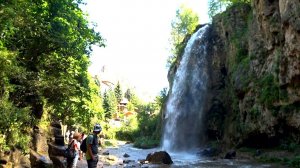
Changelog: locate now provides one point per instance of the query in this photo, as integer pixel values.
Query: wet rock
(230, 155)
(126, 155)
(105, 153)
(258, 152)
(159, 157)
(127, 161)
(209, 152)
(143, 161)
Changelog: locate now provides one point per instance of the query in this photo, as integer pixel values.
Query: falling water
(184, 107)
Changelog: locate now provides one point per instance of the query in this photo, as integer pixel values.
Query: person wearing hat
(92, 147)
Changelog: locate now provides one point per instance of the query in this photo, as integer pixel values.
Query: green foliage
(146, 142)
(44, 56)
(118, 92)
(217, 6)
(109, 103)
(294, 162)
(144, 129)
(14, 125)
(184, 23)
(162, 98)
(128, 94)
(254, 112)
(129, 129)
(269, 90)
(14, 121)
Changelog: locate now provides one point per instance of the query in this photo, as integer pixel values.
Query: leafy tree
(184, 23)
(118, 92)
(217, 6)
(109, 104)
(47, 45)
(128, 94)
(14, 121)
(161, 99)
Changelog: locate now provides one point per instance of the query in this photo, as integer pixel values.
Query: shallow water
(181, 160)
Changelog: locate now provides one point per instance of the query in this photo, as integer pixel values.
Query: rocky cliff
(254, 89)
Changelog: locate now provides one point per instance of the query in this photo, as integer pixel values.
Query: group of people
(92, 143)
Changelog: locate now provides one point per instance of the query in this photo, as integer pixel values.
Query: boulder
(159, 157)
(55, 131)
(40, 140)
(40, 161)
(59, 161)
(126, 155)
(209, 152)
(105, 153)
(230, 155)
(56, 150)
(59, 140)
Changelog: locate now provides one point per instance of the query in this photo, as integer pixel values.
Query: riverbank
(125, 155)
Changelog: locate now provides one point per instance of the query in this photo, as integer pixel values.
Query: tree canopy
(183, 24)
(44, 57)
(217, 6)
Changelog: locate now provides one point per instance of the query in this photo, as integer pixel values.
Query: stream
(181, 160)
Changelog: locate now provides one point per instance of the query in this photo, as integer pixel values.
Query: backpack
(83, 145)
(70, 152)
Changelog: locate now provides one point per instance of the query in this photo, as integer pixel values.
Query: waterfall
(186, 100)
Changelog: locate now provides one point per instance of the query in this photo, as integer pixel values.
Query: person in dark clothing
(92, 147)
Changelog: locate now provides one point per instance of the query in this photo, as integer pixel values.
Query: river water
(181, 160)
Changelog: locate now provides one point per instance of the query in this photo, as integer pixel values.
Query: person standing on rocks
(92, 147)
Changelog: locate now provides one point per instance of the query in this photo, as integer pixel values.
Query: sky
(137, 34)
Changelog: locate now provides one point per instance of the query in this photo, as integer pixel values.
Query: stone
(230, 155)
(59, 140)
(59, 161)
(40, 161)
(209, 152)
(161, 157)
(40, 140)
(56, 131)
(126, 155)
(56, 150)
(105, 153)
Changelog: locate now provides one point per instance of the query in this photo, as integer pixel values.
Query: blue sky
(137, 34)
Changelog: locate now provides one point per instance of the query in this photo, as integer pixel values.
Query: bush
(294, 162)
(146, 142)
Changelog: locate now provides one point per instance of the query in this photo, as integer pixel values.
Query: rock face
(40, 161)
(256, 74)
(254, 94)
(57, 146)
